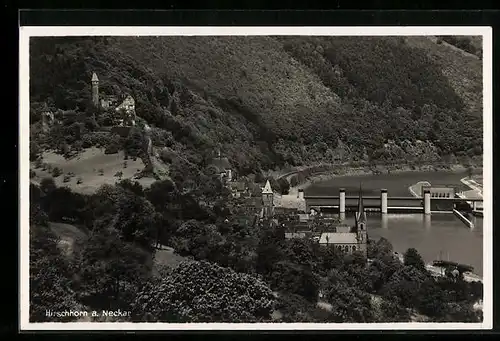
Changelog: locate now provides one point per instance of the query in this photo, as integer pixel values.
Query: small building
(126, 111)
(239, 189)
(344, 241)
(440, 191)
(347, 238)
(223, 167)
(295, 235)
(108, 101)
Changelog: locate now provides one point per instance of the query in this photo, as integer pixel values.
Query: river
(440, 235)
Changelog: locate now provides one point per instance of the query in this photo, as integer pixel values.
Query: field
(87, 166)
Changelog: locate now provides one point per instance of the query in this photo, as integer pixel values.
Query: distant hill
(272, 101)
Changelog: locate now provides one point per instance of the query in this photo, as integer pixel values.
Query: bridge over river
(394, 204)
(431, 234)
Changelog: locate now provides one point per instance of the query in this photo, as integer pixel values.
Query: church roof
(338, 238)
(267, 188)
(221, 163)
(238, 186)
(94, 77)
(289, 235)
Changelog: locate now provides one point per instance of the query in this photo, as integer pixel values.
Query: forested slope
(268, 101)
(265, 102)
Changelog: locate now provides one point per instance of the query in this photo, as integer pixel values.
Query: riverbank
(291, 200)
(354, 171)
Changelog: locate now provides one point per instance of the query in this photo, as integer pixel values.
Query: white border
(26, 32)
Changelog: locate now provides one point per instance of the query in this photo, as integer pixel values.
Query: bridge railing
(326, 197)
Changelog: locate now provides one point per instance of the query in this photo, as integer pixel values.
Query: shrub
(101, 171)
(113, 145)
(79, 181)
(56, 172)
(284, 186)
(134, 143)
(67, 178)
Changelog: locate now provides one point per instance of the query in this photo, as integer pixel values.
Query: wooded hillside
(271, 101)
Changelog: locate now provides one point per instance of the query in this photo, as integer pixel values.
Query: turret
(95, 89)
(267, 200)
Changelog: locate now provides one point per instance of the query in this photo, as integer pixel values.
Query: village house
(327, 231)
(224, 168)
(124, 111)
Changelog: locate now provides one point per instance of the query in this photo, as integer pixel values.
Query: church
(349, 238)
(327, 232)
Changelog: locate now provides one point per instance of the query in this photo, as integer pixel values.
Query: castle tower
(95, 89)
(267, 200)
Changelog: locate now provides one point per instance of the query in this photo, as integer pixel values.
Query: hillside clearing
(87, 166)
(166, 257)
(68, 234)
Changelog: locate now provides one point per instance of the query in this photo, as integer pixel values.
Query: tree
(35, 150)
(161, 194)
(430, 300)
(56, 172)
(113, 145)
(110, 270)
(405, 284)
(393, 311)
(203, 292)
(61, 203)
(51, 286)
(283, 186)
(330, 258)
(135, 219)
(413, 258)
(203, 241)
(134, 143)
(132, 186)
(349, 304)
(379, 248)
(299, 251)
(296, 279)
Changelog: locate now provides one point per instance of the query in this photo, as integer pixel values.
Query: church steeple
(95, 89)
(360, 214)
(267, 200)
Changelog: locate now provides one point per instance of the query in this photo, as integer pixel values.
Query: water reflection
(342, 217)
(427, 221)
(385, 221)
(434, 235)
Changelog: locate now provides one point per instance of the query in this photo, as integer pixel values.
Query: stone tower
(95, 89)
(267, 200)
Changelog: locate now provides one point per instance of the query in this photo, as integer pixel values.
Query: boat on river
(449, 264)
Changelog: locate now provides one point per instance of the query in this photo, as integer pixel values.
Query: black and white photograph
(256, 178)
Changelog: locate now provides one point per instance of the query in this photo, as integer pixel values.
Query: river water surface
(439, 236)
